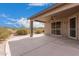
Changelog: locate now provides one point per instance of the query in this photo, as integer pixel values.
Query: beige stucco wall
(77, 15)
(47, 28)
(78, 25)
(64, 25)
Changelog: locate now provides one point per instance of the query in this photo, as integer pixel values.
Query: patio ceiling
(66, 13)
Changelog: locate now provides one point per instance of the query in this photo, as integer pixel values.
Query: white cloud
(9, 23)
(21, 22)
(12, 19)
(26, 23)
(28, 6)
(3, 15)
(38, 24)
(8, 18)
(37, 4)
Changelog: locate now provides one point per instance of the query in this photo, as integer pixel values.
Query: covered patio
(42, 45)
(57, 20)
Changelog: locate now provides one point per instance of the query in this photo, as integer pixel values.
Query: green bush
(21, 32)
(4, 34)
(38, 31)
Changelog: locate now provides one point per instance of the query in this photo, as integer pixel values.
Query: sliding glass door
(72, 27)
(56, 28)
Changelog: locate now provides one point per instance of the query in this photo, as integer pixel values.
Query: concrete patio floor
(42, 45)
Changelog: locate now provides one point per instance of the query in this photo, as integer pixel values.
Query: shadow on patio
(44, 46)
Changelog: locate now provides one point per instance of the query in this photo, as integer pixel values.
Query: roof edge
(45, 11)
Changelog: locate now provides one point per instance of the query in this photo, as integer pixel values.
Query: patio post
(31, 28)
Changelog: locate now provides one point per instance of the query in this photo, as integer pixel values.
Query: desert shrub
(21, 32)
(4, 34)
(38, 31)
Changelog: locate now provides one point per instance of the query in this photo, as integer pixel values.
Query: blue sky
(16, 14)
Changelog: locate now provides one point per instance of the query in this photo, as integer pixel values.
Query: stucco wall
(77, 15)
(78, 25)
(64, 25)
(48, 28)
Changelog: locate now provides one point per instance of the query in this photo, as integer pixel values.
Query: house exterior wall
(64, 25)
(47, 28)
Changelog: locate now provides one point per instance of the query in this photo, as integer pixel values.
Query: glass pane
(53, 25)
(53, 31)
(72, 33)
(72, 23)
(73, 27)
(58, 32)
(58, 24)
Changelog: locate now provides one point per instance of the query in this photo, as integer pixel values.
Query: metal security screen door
(73, 27)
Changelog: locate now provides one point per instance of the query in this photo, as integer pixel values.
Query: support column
(31, 28)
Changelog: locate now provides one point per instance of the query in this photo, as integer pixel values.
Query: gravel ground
(2, 48)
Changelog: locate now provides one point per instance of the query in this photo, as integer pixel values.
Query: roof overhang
(53, 10)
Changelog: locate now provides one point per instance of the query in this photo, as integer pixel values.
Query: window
(56, 28)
